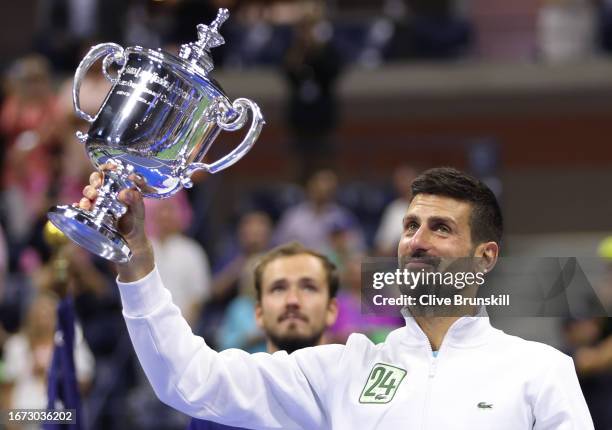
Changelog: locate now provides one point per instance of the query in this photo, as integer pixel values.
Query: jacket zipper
(433, 365)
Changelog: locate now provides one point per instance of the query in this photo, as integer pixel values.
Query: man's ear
(259, 314)
(332, 312)
(486, 256)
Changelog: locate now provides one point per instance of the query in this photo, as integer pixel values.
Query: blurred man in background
(29, 123)
(232, 302)
(390, 228)
(295, 291)
(312, 68)
(589, 342)
(311, 221)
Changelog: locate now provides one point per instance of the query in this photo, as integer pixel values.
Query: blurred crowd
(207, 263)
(365, 32)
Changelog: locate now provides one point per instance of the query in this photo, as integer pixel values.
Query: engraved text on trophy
(136, 82)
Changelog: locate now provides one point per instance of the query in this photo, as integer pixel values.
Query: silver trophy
(158, 121)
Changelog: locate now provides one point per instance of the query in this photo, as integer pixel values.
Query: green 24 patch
(382, 384)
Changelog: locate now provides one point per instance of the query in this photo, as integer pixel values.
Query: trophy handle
(112, 53)
(240, 107)
(234, 122)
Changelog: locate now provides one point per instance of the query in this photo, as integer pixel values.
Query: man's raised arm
(231, 387)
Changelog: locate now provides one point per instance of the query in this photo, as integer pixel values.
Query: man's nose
(420, 241)
(292, 298)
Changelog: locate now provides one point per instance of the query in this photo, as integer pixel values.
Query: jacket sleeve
(560, 404)
(231, 387)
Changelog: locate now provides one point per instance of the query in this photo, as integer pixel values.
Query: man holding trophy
(442, 372)
(436, 372)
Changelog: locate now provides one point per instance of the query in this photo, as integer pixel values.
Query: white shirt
(30, 391)
(482, 378)
(183, 265)
(391, 225)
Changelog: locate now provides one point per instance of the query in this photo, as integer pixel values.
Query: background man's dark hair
(486, 221)
(290, 250)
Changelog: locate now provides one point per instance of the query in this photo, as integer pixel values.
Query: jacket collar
(465, 332)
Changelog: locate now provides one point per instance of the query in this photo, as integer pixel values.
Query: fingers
(132, 223)
(95, 179)
(108, 166)
(85, 204)
(133, 200)
(140, 183)
(90, 192)
(137, 179)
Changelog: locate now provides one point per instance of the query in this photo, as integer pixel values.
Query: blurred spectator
(3, 264)
(431, 30)
(181, 261)
(28, 356)
(590, 343)
(149, 23)
(350, 318)
(253, 237)
(30, 103)
(239, 328)
(566, 30)
(340, 244)
(28, 120)
(70, 271)
(311, 221)
(3, 333)
(63, 25)
(606, 25)
(366, 199)
(391, 224)
(312, 67)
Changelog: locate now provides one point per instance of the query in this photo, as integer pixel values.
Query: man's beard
(434, 289)
(421, 257)
(293, 342)
(433, 285)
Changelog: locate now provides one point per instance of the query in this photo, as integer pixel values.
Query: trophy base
(86, 231)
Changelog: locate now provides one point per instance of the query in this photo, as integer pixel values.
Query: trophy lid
(198, 53)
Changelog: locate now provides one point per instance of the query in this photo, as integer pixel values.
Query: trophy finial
(208, 37)
(222, 16)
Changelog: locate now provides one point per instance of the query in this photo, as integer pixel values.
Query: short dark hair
(486, 222)
(289, 250)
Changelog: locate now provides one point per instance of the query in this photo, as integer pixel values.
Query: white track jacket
(481, 378)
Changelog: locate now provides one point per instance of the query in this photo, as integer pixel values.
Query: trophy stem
(108, 208)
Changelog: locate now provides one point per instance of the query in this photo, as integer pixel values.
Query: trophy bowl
(158, 121)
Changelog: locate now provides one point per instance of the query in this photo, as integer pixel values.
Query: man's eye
(442, 228)
(310, 287)
(411, 226)
(277, 289)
